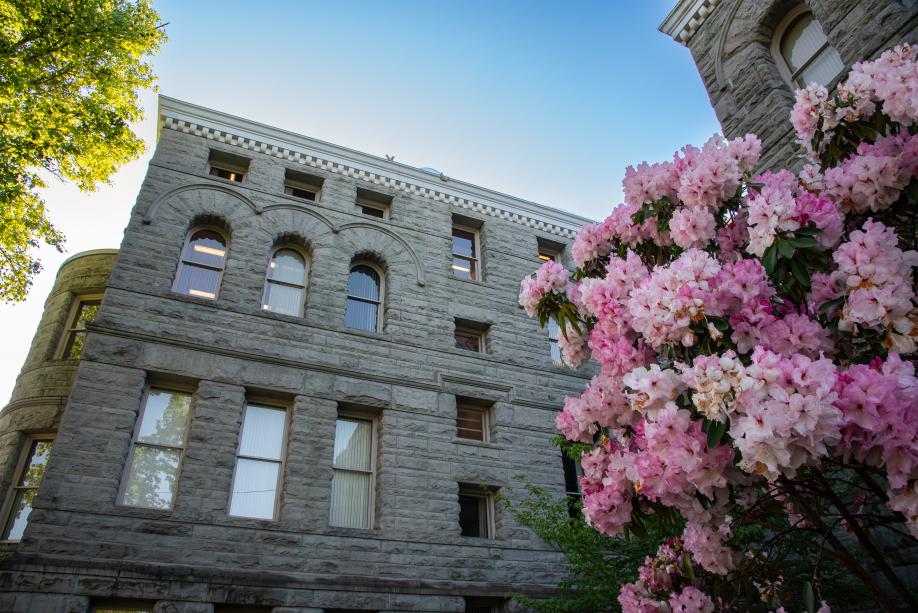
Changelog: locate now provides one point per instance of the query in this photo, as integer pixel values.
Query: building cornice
(215, 125)
(686, 17)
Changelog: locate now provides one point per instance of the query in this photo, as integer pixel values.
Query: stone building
(753, 54)
(299, 386)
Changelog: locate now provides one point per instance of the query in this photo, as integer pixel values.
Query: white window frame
(487, 495)
(308, 265)
(380, 320)
(7, 509)
(126, 473)
(485, 421)
(468, 331)
(371, 498)
(365, 203)
(786, 22)
(182, 262)
(70, 331)
(475, 262)
(275, 516)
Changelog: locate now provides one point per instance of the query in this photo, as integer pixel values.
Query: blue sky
(548, 101)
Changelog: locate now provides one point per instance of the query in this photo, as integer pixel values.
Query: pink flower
(692, 227)
(707, 547)
(652, 389)
(649, 183)
(691, 600)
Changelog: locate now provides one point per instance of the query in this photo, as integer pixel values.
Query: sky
(547, 101)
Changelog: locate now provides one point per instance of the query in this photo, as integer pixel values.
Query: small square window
(549, 250)
(476, 511)
(373, 204)
(470, 340)
(302, 185)
(85, 313)
(472, 422)
(227, 166)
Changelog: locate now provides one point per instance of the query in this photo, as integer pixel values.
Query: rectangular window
(470, 340)
(302, 185)
(157, 451)
(549, 250)
(354, 464)
(85, 313)
(227, 166)
(554, 349)
(572, 472)
(373, 203)
(465, 253)
(472, 422)
(121, 606)
(476, 511)
(259, 462)
(29, 475)
(482, 605)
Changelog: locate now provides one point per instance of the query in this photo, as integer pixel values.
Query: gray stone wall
(733, 52)
(81, 544)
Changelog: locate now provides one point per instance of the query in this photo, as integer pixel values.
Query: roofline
(249, 129)
(84, 254)
(685, 19)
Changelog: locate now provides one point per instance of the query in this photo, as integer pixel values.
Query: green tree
(70, 72)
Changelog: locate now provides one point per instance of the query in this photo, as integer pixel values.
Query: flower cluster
(786, 417)
(661, 586)
(876, 277)
(746, 329)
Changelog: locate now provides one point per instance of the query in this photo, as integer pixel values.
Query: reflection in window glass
(85, 314)
(156, 457)
(352, 479)
(465, 258)
(363, 299)
(26, 489)
(285, 283)
(258, 463)
(553, 331)
(203, 259)
(807, 52)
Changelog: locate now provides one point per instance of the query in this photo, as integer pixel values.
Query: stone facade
(732, 44)
(83, 548)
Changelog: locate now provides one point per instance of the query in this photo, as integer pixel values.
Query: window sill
(375, 335)
(224, 181)
(195, 299)
(478, 282)
(475, 443)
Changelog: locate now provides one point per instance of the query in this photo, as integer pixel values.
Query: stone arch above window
(803, 52)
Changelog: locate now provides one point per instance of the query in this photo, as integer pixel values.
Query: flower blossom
(715, 381)
(551, 277)
(707, 547)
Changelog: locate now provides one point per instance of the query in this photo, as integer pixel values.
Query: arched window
(364, 299)
(201, 267)
(285, 283)
(804, 52)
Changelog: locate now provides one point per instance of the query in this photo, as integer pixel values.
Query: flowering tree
(754, 337)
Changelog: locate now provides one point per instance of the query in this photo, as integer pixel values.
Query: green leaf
(808, 598)
(687, 568)
(831, 304)
(785, 248)
(769, 259)
(716, 431)
(803, 242)
(800, 274)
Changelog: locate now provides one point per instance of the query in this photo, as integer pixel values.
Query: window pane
(571, 483)
(165, 418)
(555, 351)
(288, 266)
(464, 269)
(823, 69)
(470, 515)
(801, 41)
(254, 488)
(196, 281)
(37, 463)
(19, 514)
(151, 481)
(363, 282)
(350, 499)
(361, 315)
(353, 443)
(368, 210)
(283, 299)
(463, 243)
(468, 340)
(263, 432)
(553, 329)
(206, 247)
(470, 423)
